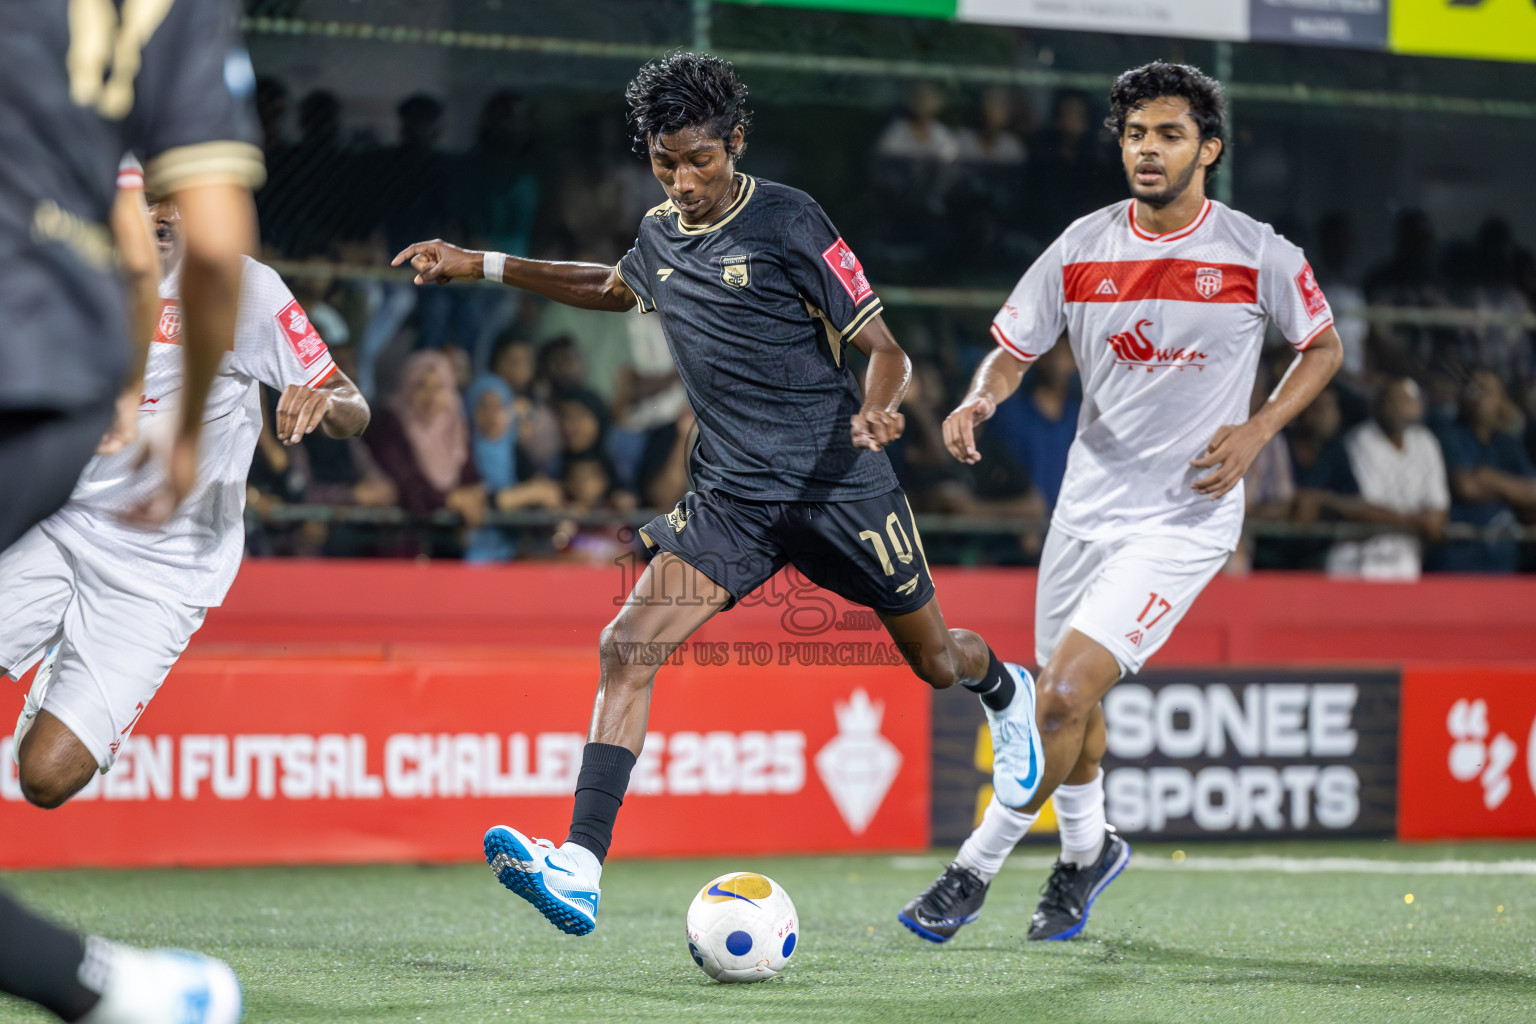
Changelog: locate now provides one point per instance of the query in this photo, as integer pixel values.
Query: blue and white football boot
(560, 881)
(1018, 757)
(159, 986)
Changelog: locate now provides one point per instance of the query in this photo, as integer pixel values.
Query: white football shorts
(116, 646)
(1125, 594)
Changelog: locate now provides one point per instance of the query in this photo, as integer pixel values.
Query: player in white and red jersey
(1164, 299)
(109, 607)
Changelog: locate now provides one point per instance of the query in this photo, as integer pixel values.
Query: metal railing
(929, 525)
(873, 67)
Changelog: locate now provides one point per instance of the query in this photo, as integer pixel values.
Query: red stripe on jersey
(323, 375)
(1178, 280)
(130, 178)
(1013, 350)
(1309, 339)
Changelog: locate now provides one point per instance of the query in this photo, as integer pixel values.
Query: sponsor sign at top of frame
(1476, 29)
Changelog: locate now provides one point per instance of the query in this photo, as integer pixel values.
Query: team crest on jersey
(301, 334)
(1133, 348)
(1311, 294)
(1207, 281)
(168, 330)
(678, 517)
(736, 271)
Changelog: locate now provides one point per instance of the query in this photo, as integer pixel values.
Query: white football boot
(34, 702)
(161, 986)
(560, 881)
(1018, 756)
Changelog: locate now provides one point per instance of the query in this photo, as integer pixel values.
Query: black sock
(996, 688)
(600, 790)
(41, 962)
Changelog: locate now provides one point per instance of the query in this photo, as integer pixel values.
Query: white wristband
(495, 262)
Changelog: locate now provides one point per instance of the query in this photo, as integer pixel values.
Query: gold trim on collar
(748, 186)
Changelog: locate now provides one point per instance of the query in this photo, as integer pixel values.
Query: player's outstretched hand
(125, 424)
(299, 412)
(960, 428)
(1233, 450)
(877, 428)
(441, 261)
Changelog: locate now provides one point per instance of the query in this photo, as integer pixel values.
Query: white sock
(985, 849)
(1080, 817)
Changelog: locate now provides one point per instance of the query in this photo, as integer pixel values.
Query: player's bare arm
(995, 379)
(218, 228)
(336, 406)
(139, 263)
(879, 421)
(1234, 447)
(584, 285)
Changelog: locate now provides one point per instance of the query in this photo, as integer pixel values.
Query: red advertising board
(1468, 752)
(272, 760)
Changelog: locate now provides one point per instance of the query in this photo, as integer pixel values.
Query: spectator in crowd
(1335, 249)
(420, 439)
(1486, 281)
(1396, 461)
(1269, 486)
(1493, 483)
(493, 442)
(311, 197)
(1325, 484)
(1408, 278)
(988, 197)
(917, 133)
(538, 429)
(1066, 163)
(993, 140)
(930, 476)
(1036, 426)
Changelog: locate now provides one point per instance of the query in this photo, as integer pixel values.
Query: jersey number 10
(105, 52)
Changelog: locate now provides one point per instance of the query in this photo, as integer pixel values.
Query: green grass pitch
(446, 944)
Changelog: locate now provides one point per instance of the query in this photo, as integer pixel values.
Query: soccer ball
(742, 927)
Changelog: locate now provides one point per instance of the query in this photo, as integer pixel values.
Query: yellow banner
(1479, 29)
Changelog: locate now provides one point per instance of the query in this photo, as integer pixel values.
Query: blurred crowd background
(507, 427)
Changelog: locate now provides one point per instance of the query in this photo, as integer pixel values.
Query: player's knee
(48, 784)
(938, 669)
(1064, 702)
(624, 658)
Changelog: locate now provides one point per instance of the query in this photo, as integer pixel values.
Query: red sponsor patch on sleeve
(1311, 294)
(301, 334)
(846, 267)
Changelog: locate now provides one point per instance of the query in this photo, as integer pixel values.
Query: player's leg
(562, 881)
(954, 899)
(37, 584)
(673, 598)
(1140, 592)
(99, 982)
(116, 649)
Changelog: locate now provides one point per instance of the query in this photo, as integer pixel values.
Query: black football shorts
(867, 551)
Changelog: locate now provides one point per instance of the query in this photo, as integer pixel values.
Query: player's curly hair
(687, 90)
(1207, 105)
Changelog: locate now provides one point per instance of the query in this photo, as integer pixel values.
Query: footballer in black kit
(760, 299)
(759, 309)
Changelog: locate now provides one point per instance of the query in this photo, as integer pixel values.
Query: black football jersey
(81, 83)
(758, 309)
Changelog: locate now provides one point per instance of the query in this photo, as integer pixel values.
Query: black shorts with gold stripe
(866, 551)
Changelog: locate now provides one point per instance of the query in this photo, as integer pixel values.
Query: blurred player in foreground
(1164, 299)
(113, 605)
(77, 90)
(759, 298)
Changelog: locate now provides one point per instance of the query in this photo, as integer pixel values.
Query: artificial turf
(446, 944)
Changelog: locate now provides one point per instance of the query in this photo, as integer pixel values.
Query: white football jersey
(194, 557)
(1166, 330)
